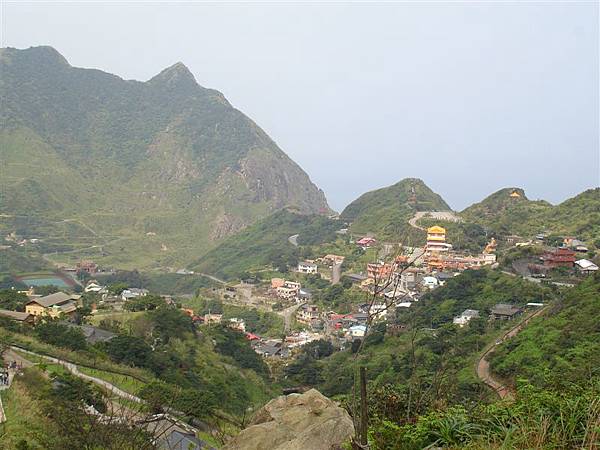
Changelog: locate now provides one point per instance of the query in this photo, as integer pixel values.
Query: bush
(61, 335)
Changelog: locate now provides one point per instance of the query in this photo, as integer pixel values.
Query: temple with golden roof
(436, 239)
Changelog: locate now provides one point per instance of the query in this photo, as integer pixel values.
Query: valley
(170, 278)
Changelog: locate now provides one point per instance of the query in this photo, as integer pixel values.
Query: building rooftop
(15, 315)
(93, 334)
(53, 299)
(504, 309)
(184, 441)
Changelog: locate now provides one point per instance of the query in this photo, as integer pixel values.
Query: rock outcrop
(296, 422)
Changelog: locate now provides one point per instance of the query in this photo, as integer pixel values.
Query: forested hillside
(266, 243)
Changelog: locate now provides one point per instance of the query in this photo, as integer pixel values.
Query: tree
(46, 290)
(170, 323)
(234, 344)
(54, 333)
(129, 350)
(13, 300)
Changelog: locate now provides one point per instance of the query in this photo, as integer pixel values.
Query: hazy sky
(469, 96)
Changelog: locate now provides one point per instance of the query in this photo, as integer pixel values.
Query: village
(384, 286)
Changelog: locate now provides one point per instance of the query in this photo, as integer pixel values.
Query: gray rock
(296, 422)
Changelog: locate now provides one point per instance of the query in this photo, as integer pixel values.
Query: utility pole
(364, 418)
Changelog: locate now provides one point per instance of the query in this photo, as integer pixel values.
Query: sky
(469, 96)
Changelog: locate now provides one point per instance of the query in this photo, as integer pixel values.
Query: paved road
(483, 365)
(440, 215)
(287, 315)
(212, 277)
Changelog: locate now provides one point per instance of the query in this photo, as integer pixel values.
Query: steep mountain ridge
(166, 167)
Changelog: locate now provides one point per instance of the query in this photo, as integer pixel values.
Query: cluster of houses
(563, 257)
(347, 326)
(289, 290)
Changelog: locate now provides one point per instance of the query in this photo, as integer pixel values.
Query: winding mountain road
(483, 366)
(449, 216)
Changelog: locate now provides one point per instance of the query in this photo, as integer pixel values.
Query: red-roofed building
(366, 242)
(561, 257)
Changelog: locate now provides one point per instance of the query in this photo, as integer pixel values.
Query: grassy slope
(386, 211)
(24, 419)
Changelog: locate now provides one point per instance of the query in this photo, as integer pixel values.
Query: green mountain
(386, 211)
(506, 214)
(266, 243)
(133, 173)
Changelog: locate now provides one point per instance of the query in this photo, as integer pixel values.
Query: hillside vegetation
(266, 243)
(561, 349)
(553, 365)
(386, 211)
(578, 216)
(133, 173)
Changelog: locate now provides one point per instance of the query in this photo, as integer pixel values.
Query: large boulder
(296, 422)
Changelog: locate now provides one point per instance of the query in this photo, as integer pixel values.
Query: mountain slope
(386, 211)
(266, 242)
(161, 169)
(560, 349)
(506, 214)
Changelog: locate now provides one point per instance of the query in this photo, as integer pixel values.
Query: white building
(585, 265)
(357, 331)
(465, 317)
(289, 290)
(430, 282)
(378, 310)
(93, 286)
(128, 294)
(307, 267)
(237, 324)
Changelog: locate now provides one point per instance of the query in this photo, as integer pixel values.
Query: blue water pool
(44, 281)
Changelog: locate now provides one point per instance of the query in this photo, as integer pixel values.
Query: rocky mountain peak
(175, 76)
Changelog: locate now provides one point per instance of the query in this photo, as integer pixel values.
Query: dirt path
(483, 365)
